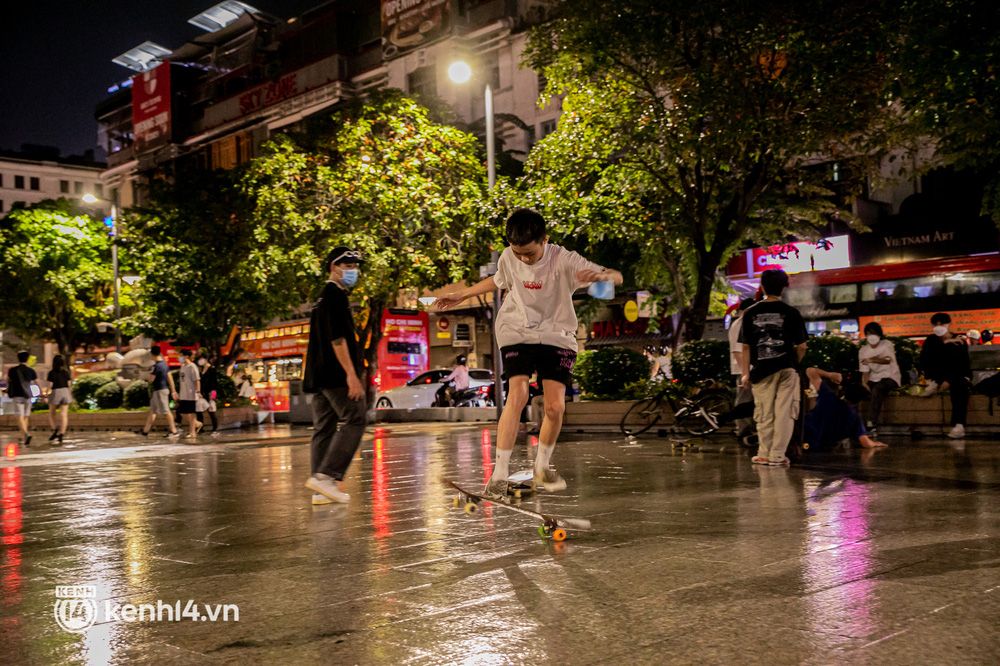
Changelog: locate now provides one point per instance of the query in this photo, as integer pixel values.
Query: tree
(695, 128)
(55, 274)
(384, 178)
(208, 263)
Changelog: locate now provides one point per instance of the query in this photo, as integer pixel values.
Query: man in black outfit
(945, 360)
(332, 377)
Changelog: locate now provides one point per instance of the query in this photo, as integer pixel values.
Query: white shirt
(189, 381)
(539, 304)
(877, 372)
(461, 376)
(735, 346)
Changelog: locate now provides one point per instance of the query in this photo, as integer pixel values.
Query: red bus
(272, 357)
(404, 351)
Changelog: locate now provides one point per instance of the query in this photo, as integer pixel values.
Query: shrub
(699, 360)
(40, 405)
(907, 356)
(109, 396)
(137, 395)
(86, 386)
(227, 391)
(833, 354)
(609, 372)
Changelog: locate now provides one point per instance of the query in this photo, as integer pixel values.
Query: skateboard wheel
(805, 446)
(456, 501)
(559, 534)
(542, 531)
(471, 508)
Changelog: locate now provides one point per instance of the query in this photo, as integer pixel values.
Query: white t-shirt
(735, 346)
(877, 372)
(539, 304)
(189, 381)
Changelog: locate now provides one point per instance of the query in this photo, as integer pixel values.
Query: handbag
(200, 405)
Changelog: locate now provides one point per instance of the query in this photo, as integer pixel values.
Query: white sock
(501, 468)
(544, 455)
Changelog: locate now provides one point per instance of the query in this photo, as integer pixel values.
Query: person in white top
(879, 371)
(744, 395)
(536, 333)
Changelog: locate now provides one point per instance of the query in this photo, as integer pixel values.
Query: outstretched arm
(600, 276)
(454, 298)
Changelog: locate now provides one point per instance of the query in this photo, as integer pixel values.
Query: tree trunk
(697, 311)
(370, 336)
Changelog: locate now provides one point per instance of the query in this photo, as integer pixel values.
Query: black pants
(879, 391)
(213, 417)
(959, 389)
(333, 448)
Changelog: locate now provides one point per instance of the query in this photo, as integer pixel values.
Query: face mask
(940, 331)
(202, 361)
(349, 276)
(873, 340)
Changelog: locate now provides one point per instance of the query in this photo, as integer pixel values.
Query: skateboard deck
(550, 525)
(521, 484)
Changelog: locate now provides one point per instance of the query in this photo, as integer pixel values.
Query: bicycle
(698, 415)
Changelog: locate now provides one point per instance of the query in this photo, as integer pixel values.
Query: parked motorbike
(479, 396)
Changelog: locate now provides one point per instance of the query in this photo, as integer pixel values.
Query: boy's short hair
(774, 281)
(525, 226)
(23, 356)
(155, 350)
(873, 328)
(855, 394)
(187, 352)
(940, 319)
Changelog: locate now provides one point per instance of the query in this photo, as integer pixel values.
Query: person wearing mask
(162, 386)
(774, 342)
(20, 381)
(879, 371)
(945, 360)
(209, 389)
(60, 398)
(331, 375)
(743, 393)
(190, 380)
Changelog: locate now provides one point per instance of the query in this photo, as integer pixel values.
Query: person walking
(945, 360)
(209, 389)
(774, 342)
(744, 395)
(331, 375)
(20, 380)
(536, 332)
(190, 380)
(879, 372)
(60, 397)
(162, 387)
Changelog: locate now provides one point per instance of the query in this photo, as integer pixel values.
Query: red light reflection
(10, 528)
(11, 450)
(380, 493)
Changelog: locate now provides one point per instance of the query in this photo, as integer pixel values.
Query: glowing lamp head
(459, 72)
(90, 198)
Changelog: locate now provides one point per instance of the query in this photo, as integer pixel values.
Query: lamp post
(460, 72)
(90, 198)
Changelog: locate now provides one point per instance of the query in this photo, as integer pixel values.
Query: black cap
(342, 254)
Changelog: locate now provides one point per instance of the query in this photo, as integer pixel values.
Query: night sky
(55, 60)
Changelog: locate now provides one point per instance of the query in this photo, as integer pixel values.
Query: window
(1, 205)
(973, 283)
(99, 190)
(77, 187)
(548, 127)
(924, 287)
(823, 296)
(481, 375)
(543, 81)
(422, 82)
(18, 182)
(1, 180)
(403, 347)
(35, 184)
(64, 186)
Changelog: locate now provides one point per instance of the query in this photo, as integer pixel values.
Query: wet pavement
(695, 557)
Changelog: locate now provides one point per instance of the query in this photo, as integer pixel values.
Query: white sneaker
(931, 389)
(321, 499)
(958, 432)
(324, 485)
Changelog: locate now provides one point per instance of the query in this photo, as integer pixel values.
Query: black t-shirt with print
(331, 319)
(772, 329)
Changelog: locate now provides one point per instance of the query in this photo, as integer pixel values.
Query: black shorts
(548, 361)
(186, 406)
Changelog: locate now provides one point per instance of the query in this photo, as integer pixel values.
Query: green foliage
(137, 395)
(692, 128)
(907, 356)
(833, 354)
(699, 360)
(85, 386)
(228, 393)
(55, 274)
(612, 373)
(40, 405)
(109, 396)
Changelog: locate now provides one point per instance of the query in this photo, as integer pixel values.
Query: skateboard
(521, 484)
(550, 525)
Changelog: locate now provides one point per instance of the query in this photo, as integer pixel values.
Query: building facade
(27, 179)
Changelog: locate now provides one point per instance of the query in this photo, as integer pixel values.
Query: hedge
(109, 396)
(137, 395)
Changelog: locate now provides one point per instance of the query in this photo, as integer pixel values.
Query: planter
(229, 418)
(592, 415)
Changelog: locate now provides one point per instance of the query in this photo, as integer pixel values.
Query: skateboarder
(536, 333)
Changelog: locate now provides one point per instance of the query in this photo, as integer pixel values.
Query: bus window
(903, 289)
(974, 283)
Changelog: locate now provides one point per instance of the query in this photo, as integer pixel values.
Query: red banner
(151, 108)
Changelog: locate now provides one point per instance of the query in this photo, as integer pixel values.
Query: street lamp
(460, 72)
(91, 199)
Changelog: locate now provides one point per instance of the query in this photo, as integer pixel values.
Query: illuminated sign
(151, 108)
(799, 257)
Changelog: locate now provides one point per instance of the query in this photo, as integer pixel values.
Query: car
(420, 391)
